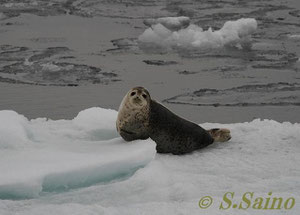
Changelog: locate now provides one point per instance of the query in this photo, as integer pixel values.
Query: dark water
(57, 58)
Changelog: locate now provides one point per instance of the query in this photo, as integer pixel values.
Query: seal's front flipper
(220, 134)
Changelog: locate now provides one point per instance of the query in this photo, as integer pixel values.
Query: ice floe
(38, 156)
(193, 36)
(171, 23)
(57, 167)
(262, 157)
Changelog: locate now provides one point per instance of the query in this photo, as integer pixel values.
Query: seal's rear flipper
(220, 134)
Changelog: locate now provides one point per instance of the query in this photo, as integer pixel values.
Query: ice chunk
(262, 156)
(295, 37)
(43, 155)
(171, 23)
(158, 34)
(49, 67)
(232, 33)
(14, 132)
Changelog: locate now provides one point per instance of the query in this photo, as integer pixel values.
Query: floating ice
(232, 33)
(171, 23)
(262, 156)
(295, 37)
(49, 66)
(41, 155)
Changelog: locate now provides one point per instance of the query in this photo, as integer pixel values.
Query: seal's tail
(220, 134)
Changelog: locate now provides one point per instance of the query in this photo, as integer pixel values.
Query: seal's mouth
(137, 100)
(128, 132)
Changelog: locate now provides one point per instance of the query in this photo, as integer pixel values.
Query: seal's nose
(137, 98)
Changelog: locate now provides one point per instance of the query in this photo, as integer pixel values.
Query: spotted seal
(141, 117)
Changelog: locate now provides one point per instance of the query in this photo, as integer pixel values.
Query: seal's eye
(145, 96)
(132, 94)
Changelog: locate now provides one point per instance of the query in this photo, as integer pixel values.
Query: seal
(141, 117)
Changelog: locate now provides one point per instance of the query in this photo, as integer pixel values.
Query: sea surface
(60, 57)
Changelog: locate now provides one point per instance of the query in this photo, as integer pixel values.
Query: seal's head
(139, 97)
(133, 117)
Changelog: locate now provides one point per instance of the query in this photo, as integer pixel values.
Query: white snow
(232, 33)
(262, 156)
(45, 156)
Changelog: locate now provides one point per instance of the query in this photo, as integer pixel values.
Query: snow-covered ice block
(232, 33)
(262, 156)
(41, 155)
